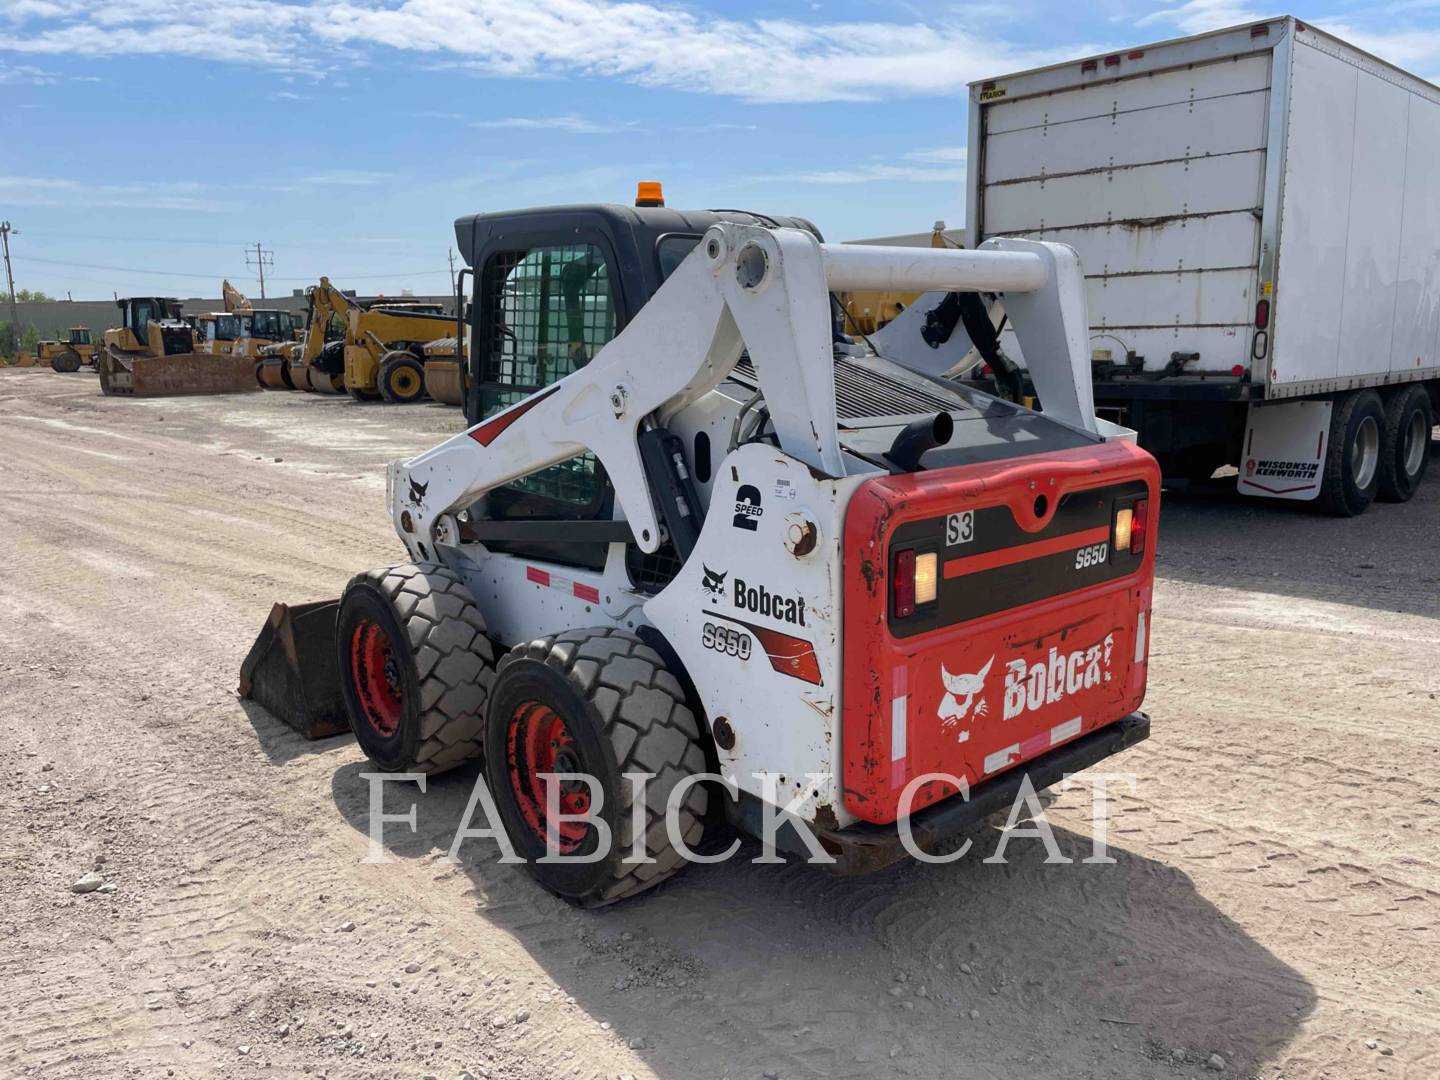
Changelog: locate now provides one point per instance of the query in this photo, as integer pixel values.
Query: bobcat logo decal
(714, 583)
(960, 694)
(417, 492)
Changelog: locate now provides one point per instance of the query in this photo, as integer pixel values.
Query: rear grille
(861, 392)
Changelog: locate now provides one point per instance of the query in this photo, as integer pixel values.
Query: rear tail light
(902, 584)
(927, 577)
(915, 581)
(1124, 529)
(1140, 529)
(1262, 314)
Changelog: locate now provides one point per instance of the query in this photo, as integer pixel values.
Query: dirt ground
(1274, 900)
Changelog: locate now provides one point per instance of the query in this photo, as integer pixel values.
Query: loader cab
(269, 324)
(550, 287)
(80, 335)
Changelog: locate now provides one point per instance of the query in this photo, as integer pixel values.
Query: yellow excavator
(153, 354)
(371, 353)
(70, 354)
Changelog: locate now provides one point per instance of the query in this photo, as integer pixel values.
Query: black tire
(415, 667)
(1352, 459)
(67, 361)
(1405, 449)
(623, 711)
(402, 378)
(363, 395)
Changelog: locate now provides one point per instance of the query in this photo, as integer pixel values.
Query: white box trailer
(1257, 211)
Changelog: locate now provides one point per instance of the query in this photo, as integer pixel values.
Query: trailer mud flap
(292, 670)
(1284, 454)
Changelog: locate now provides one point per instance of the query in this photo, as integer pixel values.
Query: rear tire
(402, 378)
(1405, 449)
(67, 361)
(415, 667)
(1353, 456)
(363, 395)
(603, 703)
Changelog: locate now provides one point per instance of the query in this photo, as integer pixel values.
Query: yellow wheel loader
(153, 354)
(381, 355)
(70, 354)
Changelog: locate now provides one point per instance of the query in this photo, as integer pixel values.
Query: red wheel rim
(536, 742)
(375, 672)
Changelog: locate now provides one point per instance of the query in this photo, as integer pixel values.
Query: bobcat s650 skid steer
(695, 528)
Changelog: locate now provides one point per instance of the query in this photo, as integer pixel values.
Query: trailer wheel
(415, 667)
(1405, 449)
(402, 378)
(1352, 459)
(599, 703)
(67, 361)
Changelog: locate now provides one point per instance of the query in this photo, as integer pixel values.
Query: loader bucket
(172, 376)
(444, 381)
(273, 373)
(292, 669)
(324, 382)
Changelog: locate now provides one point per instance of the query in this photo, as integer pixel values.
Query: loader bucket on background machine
(176, 375)
(445, 381)
(273, 373)
(292, 670)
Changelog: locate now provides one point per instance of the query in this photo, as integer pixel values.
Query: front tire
(1352, 458)
(67, 361)
(1405, 449)
(415, 667)
(599, 703)
(402, 378)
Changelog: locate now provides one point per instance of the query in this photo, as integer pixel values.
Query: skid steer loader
(695, 528)
(153, 354)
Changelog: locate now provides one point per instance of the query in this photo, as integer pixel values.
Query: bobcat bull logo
(960, 694)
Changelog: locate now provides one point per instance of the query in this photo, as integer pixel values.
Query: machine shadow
(1017, 969)
(281, 743)
(1378, 560)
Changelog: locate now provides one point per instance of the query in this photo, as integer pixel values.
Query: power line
(213, 274)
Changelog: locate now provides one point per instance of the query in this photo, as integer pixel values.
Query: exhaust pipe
(917, 437)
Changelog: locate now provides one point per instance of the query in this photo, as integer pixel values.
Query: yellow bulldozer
(152, 353)
(68, 355)
(371, 353)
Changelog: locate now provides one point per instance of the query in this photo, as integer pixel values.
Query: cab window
(671, 251)
(545, 311)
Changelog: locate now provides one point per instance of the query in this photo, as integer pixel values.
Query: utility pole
(452, 271)
(263, 259)
(5, 231)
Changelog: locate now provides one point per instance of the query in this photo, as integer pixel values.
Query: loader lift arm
(742, 289)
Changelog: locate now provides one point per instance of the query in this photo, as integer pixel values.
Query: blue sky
(145, 143)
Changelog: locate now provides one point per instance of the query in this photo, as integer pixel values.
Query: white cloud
(648, 42)
(572, 125)
(875, 173)
(1197, 16)
(346, 178)
(57, 191)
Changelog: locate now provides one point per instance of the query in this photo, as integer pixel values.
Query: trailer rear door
(1156, 178)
